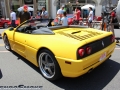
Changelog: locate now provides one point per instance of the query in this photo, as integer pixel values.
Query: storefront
(15, 4)
(2, 9)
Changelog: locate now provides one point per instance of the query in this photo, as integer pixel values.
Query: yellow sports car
(68, 51)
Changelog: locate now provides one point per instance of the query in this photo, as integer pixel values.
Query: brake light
(88, 50)
(112, 38)
(81, 52)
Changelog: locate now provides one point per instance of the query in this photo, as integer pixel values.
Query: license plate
(103, 56)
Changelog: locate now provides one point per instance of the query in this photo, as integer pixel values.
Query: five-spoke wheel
(5, 25)
(48, 65)
(6, 41)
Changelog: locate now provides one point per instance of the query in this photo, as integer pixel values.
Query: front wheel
(6, 41)
(5, 25)
(48, 65)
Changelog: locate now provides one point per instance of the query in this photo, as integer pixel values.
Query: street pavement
(16, 71)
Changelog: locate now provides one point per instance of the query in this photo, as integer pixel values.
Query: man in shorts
(90, 17)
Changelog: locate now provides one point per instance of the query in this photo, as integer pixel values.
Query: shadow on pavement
(96, 80)
(26, 61)
(1, 74)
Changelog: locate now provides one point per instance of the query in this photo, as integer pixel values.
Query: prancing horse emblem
(102, 43)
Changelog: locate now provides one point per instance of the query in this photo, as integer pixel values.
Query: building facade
(7, 5)
(2, 8)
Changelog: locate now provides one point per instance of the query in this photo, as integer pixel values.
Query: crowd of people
(61, 15)
(25, 14)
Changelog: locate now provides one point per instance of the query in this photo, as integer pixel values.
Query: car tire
(5, 25)
(6, 42)
(48, 65)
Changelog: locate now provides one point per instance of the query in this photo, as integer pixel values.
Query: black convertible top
(43, 31)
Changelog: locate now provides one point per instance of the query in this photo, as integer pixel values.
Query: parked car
(16, 22)
(7, 23)
(69, 51)
(4, 23)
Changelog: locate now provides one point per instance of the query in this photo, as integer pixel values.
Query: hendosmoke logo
(21, 87)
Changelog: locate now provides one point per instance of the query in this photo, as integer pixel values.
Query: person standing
(13, 18)
(64, 19)
(77, 14)
(44, 13)
(112, 20)
(38, 13)
(90, 17)
(24, 15)
(60, 11)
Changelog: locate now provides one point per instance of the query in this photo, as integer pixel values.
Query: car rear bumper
(75, 68)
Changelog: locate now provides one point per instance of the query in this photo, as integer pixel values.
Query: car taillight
(88, 50)
(112, 38)
(81, 52)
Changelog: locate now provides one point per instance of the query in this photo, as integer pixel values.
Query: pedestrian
(90, 17)
(65, 9)
(112, 20)
(38, 13)
(13, 18)
(77, 14)
(64, 19)
(24, 15)
(44, 14)
(60, 11)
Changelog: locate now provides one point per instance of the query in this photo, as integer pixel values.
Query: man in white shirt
(60, 11)
(90, 17)
(13, 18)
(44, 13)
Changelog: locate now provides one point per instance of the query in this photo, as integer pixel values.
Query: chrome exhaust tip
(90, 70)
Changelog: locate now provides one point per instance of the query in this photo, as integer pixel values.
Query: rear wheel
(48, 65)
(6, 41)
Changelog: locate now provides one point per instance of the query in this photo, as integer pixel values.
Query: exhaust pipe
(90, 70)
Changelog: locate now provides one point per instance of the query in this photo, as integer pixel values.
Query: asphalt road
(15, 71)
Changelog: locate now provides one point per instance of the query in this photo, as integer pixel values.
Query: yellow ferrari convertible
(68, 51)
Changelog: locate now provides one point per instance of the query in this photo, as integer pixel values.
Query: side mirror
(11, 28)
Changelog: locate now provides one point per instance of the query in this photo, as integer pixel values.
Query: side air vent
(79, 37)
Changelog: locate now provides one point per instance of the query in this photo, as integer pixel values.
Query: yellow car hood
(78, 35)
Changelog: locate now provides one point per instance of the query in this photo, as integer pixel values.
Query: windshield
(38, 22)
(34, 24)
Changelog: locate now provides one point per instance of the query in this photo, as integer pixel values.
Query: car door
(20, 40)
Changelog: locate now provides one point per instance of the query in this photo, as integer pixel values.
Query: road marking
(4, 51)
(117, 48)
(1, 44)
